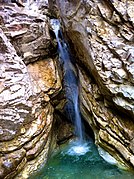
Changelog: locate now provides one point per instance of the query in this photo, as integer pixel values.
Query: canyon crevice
(102, 36)
(29, 80)
(32, 99)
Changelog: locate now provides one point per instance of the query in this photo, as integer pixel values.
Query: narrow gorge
(66, 89)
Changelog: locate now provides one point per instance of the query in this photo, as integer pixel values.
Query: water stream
(70, 82)
(79, 159)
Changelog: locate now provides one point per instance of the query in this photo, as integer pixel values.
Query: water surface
(76, 161)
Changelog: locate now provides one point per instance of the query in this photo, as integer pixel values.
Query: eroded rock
(101, 34)
(28, 31)
(26, 112)
(14, 91)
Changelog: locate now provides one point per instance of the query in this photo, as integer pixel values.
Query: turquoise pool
(73, 161)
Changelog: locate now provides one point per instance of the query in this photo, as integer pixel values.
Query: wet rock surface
(102, 35)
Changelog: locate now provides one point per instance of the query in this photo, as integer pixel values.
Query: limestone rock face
(28, 31)
(26, 113)
(102, 35)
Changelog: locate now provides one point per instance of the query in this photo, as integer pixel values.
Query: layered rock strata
(26, 112)
(102, 35)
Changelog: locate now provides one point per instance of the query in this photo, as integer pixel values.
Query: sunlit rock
(26, 112)
(28, 32)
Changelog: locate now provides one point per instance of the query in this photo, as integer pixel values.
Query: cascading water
(70, 82)
(78, 159)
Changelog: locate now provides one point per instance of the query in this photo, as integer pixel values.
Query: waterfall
(70, 81)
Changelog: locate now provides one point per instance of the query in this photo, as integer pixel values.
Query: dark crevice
(88, 130)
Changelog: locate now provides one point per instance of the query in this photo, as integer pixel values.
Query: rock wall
(26, 112)
(102, 35)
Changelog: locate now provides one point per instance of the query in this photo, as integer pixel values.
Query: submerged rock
(101, 34)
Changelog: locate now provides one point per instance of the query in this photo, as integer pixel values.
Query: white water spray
(70, 83)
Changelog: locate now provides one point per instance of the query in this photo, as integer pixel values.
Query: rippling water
(80, 161)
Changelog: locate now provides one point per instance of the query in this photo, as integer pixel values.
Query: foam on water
(78, 148)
